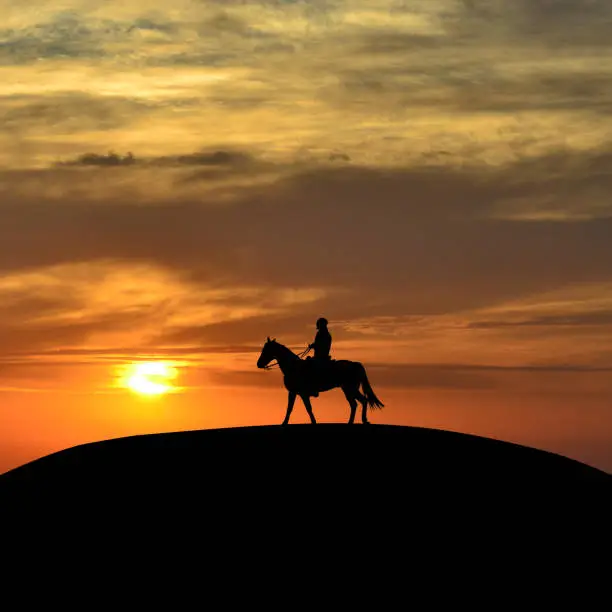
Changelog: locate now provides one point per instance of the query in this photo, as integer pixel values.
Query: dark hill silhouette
(333, 466)
(317, 507)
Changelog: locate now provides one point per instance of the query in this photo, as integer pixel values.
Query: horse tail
(373, 401)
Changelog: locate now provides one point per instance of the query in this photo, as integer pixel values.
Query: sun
(150, 378)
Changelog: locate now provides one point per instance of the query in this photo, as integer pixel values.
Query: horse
(298, 380)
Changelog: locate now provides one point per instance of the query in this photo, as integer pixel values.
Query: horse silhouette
(301, 378)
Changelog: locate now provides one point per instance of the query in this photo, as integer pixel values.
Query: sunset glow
(151, 378)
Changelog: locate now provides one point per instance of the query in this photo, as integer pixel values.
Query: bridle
(276, 365)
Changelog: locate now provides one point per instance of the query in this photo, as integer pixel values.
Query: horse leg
(364, 408)
(350, 396)
(308, 405)
(290, 403)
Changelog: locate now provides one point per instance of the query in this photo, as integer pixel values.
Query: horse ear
(268, 339)
(273, 339)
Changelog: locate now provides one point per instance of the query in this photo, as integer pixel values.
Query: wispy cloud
(482, 81)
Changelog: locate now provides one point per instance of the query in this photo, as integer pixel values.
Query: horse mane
(286, 349)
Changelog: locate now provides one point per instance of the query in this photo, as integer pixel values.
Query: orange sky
(434, 177)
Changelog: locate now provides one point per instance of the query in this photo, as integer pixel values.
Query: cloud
(68, 112)
(560, 22)
(435, 237)
(224, 23)
(44, 336)
(253, 329)
(144, 23)
(276, 74)
(66, 36)
(125, 307)
(112, 159)
(565, 320)
(216, 158)
(203, 158)
(468, 377)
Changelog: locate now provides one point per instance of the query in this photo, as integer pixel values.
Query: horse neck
(285, 357)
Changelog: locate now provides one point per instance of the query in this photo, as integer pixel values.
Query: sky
(180, 180)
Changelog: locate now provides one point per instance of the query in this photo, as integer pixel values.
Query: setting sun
(151, 378)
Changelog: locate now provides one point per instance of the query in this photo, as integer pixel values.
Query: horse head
(268, 353)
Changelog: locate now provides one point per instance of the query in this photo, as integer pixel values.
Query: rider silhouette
(322, 348)
(322, 341)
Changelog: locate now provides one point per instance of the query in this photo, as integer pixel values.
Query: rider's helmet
(321, 322)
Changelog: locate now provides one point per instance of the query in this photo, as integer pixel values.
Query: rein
(276, 365)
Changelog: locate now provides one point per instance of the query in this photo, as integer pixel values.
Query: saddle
(320, 370)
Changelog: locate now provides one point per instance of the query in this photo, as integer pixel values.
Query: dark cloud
(565, 21)
(226, 23)
(385, 42)
(491, 56)
(591, 91)
(207, 158)
(111, 159)
(66, 36)
(471, 85)
(152, 25)
(237, 102)
(210, 58)
(274, 46)
(218, 158)
(76, 35)
(557, 22)
(27, 49)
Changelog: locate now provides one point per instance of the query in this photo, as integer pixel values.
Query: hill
(331, 465)
(302, 516)
(306, 503)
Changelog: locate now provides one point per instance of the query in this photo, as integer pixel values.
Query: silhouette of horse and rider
(310, 376)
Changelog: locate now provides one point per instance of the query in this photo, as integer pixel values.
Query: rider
(322, 341)
(322, 348)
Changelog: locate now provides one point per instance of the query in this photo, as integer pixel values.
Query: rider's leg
(313, 376)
